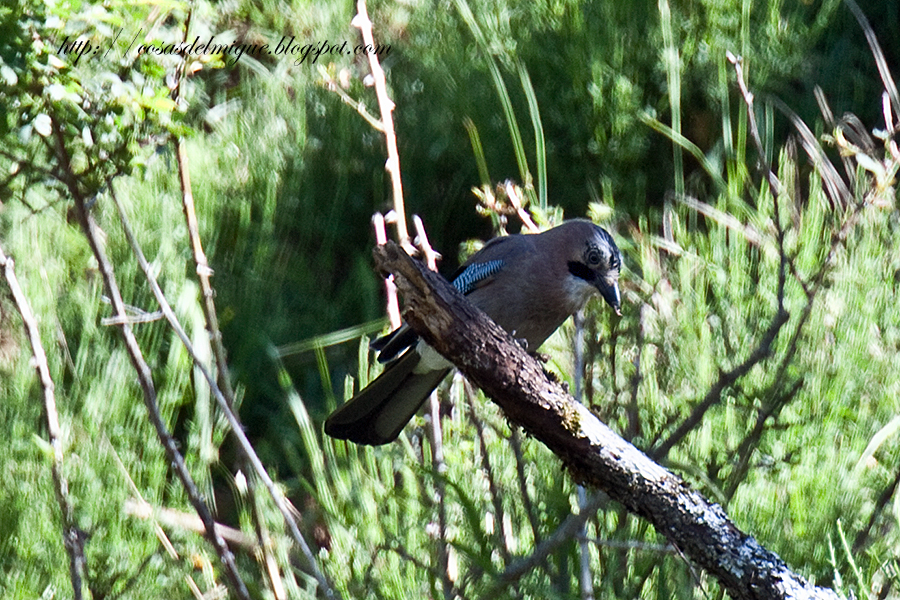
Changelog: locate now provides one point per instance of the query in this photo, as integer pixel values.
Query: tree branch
(73, 537)
(243, 442)
(142, 369)
(592, 452)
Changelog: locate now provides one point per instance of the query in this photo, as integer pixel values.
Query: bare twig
(386, 105)
(233, 422)
(515, 440)
(842, 197)
(564, 533)
(774, 184)
(863, 536)
(186, 521)
(751, 441)
(439, 468)
(204, 272)
(634, 413)
(513, 194)
(595, 455)
(266, 555)
(390, 290)
(775, 187)
(585, 580)
(160, 534)
(333, 86)
(73, 538)
(142, 369)
(496, 498)
(725, 380)
(721, 217)
(132, 319)
(428, 253)
(436, 440)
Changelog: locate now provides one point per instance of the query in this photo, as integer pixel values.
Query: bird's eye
(593, 256)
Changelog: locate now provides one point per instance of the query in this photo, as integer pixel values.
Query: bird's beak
(609, 289)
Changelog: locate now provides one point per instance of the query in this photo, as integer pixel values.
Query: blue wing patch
(474, 274)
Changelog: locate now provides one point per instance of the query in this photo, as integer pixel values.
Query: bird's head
(595, 259)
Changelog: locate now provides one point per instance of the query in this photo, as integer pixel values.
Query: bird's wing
(476, 275)
(378, 413)
(482, 267)
(467, 279)
(478, 271)
(392, 345)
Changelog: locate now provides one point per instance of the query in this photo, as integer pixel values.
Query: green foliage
(801, 449)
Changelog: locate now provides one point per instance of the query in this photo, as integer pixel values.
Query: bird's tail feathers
(392, 345)
(377, 414)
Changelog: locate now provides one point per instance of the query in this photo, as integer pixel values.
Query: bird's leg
(554, 378)
(541, 357)
(521, 341)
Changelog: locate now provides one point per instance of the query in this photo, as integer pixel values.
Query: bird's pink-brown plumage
(530, 285)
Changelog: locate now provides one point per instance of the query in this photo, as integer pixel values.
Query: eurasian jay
(528, 284)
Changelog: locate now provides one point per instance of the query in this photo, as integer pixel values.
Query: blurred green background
(801, 449)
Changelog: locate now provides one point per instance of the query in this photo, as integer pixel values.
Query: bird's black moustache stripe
(581, 271)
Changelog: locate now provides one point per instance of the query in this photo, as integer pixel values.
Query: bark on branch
(592, 452)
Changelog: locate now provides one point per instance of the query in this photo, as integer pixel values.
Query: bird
(529, 284)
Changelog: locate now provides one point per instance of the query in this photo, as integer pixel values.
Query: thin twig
(233, 422)
(585, 580)
(775, 187)
(515, 441)
(436, 440)
(390, 289)
(160, 534)
(333, 86)
(142, 369)
(266, 556)
(204, 272)
(774, 184)
(428, 253)
(564, 533)
(634, 413)
(386, 105)
(496, 499)
(749, 444)
(725, 380)
(186, 521)
(731, 222)
(863, 536)
(513, 194)
(132, 319)
(73, 538)
(439, 468)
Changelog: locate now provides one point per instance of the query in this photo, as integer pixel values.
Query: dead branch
(592, 452)
(144, 374)
(73, 538)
